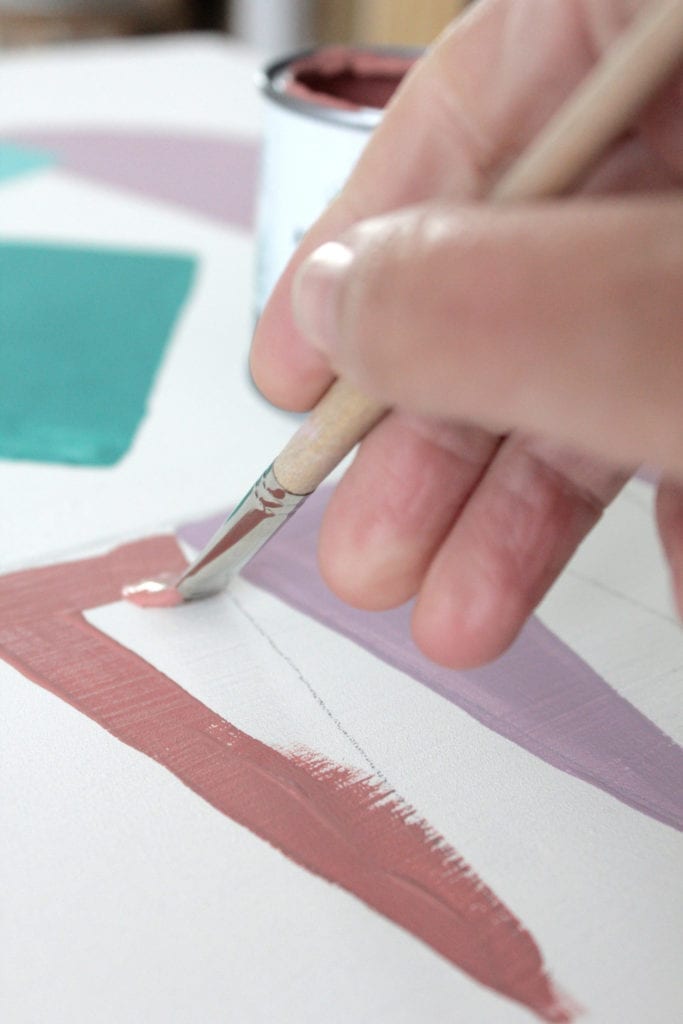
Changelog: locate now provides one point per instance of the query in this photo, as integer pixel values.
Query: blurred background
(272, 25)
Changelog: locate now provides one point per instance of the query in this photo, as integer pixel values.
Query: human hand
(533, 355)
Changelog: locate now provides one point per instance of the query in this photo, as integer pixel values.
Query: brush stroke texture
(348, 829)
(540, 694)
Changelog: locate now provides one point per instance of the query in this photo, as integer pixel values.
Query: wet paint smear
(540, 694)
(82, 335)
(157, 593)
(325, 817)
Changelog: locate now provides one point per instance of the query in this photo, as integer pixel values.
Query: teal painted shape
(82, 334)
(16, 160)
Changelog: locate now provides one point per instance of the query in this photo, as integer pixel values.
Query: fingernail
(316, 294)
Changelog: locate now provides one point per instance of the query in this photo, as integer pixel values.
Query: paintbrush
(602, 107)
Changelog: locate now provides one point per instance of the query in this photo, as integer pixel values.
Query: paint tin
(321, 106)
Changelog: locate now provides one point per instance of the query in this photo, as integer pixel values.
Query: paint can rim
(270, 81)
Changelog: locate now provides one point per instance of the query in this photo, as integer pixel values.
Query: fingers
(478, 529)
(670, 523)
(394, 506)
(515, 535)
(283, 365)
(483, 545)
(449, 128)
(532, 318)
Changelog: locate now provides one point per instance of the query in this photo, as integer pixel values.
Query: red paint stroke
(348, 829)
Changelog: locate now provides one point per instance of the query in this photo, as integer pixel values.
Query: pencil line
(309, 686)
(628, 598)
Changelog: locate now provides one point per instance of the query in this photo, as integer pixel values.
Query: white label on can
(305, 163)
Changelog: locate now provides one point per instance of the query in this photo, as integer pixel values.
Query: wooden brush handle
(602, 108)
(339, 421)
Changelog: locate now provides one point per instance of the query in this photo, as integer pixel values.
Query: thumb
(560, 319)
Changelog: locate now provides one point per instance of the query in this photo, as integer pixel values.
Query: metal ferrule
(256, 519)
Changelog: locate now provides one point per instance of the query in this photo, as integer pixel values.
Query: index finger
(461, 115)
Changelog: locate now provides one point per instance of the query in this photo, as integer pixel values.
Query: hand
(533, 355)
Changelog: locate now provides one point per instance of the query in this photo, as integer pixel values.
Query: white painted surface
(126, 897)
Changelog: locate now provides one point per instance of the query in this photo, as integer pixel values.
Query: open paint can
(321, 106)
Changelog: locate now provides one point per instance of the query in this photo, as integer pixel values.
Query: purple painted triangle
(210, 175)
(540, 694)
